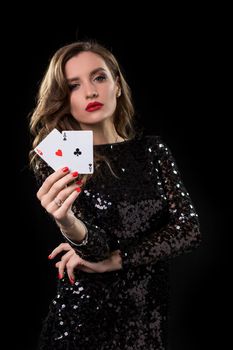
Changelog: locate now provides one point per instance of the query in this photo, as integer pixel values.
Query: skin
(89, 80)
(84, 81)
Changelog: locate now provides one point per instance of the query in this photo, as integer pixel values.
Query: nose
(93, 94)
(90, 91)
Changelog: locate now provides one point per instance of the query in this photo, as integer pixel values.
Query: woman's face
(92, 88)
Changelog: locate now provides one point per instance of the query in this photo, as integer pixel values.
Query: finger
(62, 263)
(65, 207)
(51, 179)
(74, 262)
(70, 266)
(59, 185)
(60, 275)
(59, 249)
(61, 197)
(63, 194)
(56, 188)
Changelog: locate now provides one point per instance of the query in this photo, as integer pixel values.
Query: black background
(170, 60)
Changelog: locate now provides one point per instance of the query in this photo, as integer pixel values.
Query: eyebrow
(93, 72)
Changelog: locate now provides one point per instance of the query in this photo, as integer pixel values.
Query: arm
(181, 233)
(87, 239)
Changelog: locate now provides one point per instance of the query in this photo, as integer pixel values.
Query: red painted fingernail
(65, 169)
(71, 280)
(60, 276)
(79, 182)
(78, 189)
(74, 174)
(50, 257)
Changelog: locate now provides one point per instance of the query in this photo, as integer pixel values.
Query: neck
(103, 139)
(103, 133)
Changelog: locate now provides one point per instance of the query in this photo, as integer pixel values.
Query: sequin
(147, 214)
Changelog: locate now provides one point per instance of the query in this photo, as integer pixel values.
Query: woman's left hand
(71, 261)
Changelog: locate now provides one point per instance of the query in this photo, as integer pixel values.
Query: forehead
(84, 63)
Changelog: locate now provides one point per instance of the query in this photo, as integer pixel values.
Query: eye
(100, 78)
(73, 86)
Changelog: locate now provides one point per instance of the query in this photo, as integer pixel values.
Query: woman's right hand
(58, 193)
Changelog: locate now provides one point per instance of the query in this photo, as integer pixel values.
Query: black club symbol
(77, 152)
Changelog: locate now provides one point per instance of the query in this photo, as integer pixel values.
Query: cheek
(111, 98)
(74, 103)
(112, 102)
(110, 95)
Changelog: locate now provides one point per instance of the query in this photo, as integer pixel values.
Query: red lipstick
(93, 106)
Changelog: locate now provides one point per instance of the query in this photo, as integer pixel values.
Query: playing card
(50, 150)
(77, 147)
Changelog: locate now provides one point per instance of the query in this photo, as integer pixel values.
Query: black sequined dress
(145, 212)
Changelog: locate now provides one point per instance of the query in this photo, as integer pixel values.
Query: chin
(93, 119)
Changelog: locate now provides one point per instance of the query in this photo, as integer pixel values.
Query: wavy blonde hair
(53, 107)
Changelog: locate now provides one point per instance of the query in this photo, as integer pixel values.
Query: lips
(93, 106)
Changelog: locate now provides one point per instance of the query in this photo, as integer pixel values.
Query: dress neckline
(114, 144)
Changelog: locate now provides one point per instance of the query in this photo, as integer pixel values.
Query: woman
(122, 224)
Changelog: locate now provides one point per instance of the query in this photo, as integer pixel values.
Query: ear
(118, 87)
